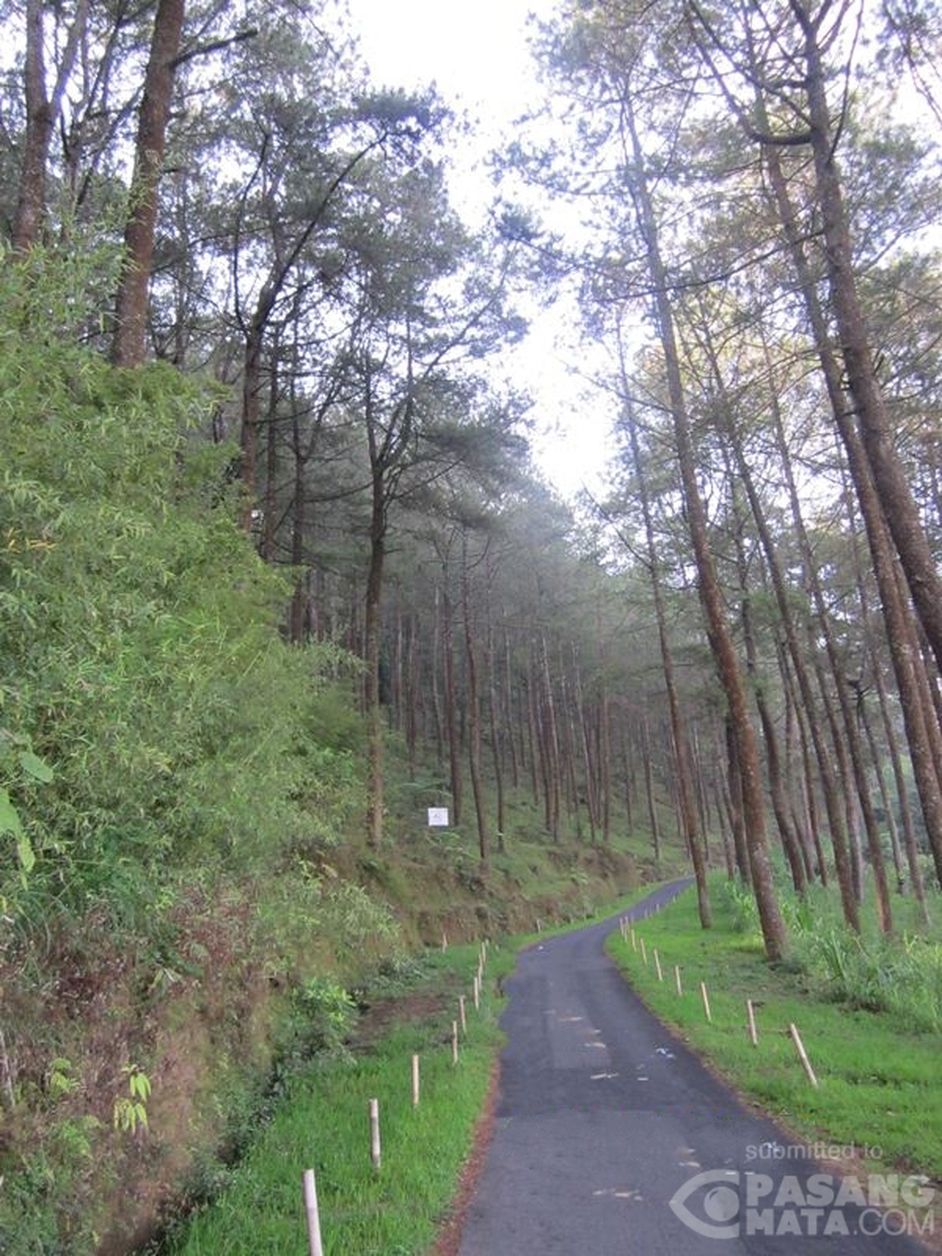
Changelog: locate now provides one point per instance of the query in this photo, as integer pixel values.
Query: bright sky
(478, 58)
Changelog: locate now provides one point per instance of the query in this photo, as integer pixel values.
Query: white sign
(438, 817)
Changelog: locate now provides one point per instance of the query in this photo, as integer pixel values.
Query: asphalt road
(604, 1118)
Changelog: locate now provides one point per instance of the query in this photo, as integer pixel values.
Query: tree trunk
(736, 819)
(876, 429)
(42, 114)
(772, 756)
(649, 790)
(129, 344)
(902, 798)
(374, 714)
(898, 620)
(474, 712)
(687, 806)
(451, 703)
(721, 641)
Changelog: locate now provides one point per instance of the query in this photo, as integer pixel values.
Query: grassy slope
(322, 1124)
(880, 1085)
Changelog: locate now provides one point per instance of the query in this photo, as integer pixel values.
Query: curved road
(604, 1118)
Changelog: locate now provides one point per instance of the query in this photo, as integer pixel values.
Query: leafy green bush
(902, 976)
(150, 717)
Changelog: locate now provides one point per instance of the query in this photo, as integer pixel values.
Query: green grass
(880, 1084)
(322, 1124)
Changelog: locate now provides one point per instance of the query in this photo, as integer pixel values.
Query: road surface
(604, 1118)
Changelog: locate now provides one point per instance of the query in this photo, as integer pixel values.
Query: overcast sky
(478, 58)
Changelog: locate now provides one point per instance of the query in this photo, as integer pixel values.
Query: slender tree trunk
(474, 712)
(551, 741)
(604, 740)
(728, 856)
(496, 743)
(902, 798)
(42, 114)
(509, 716)
(129, 344)
(687, 807)
(649, 790)
(736, 818)
(721, 641)
(899, 632)
(584, 745)
(773, 758)
(536, 756)
(628, 774)
(795, 797)
(434, 674)
(412, 695)
(451, 708)
(876, 429)
(374, 715)
(271, 464)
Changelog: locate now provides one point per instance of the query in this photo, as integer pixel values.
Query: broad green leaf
(9, 816)
(35, 766)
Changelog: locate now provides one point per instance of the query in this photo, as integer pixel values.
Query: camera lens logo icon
(720, 1204)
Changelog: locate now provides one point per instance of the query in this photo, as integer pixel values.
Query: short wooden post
(644, 954)
(539, 925)
(677, 982)
(706, 1001)
(315, 1246)
(751, 1014)
(461, 1013)
(444, 941)
(477, 994)
(634, 941)
(802, 1054)
(454, 1042)
(376, 1154)
(415, 1081)
(657, 965)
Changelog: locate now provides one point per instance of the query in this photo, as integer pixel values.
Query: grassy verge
(322, 1124)
(880, 1084)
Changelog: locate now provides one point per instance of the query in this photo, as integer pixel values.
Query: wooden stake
(539, 925)
(751, 1014)
(634, 941)
(444, 941)
(461, 1013)
(376, 1154)
(657, 965)
(315, 1247)
(454, 1042)
(644, 954)
(415, 1081)
(803, 1054)
(677, 983)
(706, 1001)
